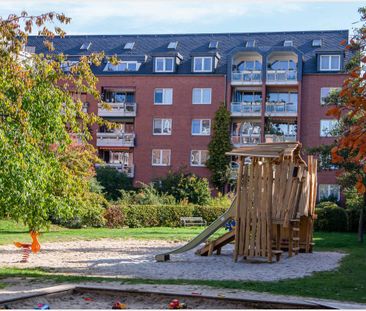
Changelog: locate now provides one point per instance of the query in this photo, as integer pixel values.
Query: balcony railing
(282, 76)
(117, 110)
(281, 109)
(272, 138)
(247, 77)
(246, 109)
(129, 170)
(115, 139)
(245, 139)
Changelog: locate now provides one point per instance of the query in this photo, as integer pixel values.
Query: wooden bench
(193, 221)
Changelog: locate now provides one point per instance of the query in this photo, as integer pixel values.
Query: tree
(185, 187)
(113, 182)
(218, 162)
(349, 151)
(43, 171)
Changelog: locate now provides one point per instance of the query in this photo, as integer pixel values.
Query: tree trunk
(361, 224)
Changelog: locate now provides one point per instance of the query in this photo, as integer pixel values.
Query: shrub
(331, 217)
(327, 204)
(114, 217)
(113, 182)
(221, 200)
(167, 215)
(185, 187)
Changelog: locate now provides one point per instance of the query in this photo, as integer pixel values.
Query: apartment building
(166, 88)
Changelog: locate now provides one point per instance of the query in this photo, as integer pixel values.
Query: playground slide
(203, 236)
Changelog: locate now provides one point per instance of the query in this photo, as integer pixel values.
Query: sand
(135, 259)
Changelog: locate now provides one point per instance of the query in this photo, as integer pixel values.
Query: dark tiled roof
(189, 44)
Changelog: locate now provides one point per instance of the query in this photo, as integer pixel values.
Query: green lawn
(348, 283)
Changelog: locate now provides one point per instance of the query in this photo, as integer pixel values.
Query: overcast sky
(187, 16)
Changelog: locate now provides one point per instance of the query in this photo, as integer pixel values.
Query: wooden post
(269, 209)
(238, 203)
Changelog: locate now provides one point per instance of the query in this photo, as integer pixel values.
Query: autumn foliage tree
(349, 151)
(44, 172)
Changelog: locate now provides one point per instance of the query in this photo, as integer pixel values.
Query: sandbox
(84, 297)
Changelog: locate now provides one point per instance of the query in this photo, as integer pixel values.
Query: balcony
(245, 139)
(129, 170)
(281, 76)
(115, 139)
(117, 110)
(246, 77)
(242, 109)
(272, 138)
(281, 109)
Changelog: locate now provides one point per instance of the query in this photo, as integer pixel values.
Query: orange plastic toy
(34, 247)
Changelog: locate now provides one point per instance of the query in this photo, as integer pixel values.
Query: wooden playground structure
(275, 203)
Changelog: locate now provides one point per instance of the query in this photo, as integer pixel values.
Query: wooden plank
(269, 211)
(246, 238)
(254, 191)
(244, 210)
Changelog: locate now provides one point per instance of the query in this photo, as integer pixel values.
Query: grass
(348, 283)
(10, 232)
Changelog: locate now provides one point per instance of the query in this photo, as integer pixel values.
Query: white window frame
(202, 60)
(331, 89)
(322, 132)
(161, 153)
(201, 90)
(329, 63)
(201, 127)
(111, 67)
(162, 127)
(165, 92)
(164, 59)
(329, 192)
(200, 164)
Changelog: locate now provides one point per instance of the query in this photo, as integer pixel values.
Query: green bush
(330, 217)
(327, 204)
(113, 182)
(185, 187)
(167, 215)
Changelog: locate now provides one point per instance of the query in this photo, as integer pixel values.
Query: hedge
(135, 216)
(331, 217)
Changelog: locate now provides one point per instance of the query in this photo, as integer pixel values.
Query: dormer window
(330, 63)
(164, 64)
(317, 42)
(288, 43)
(85, 46)
(250, 44)
(129, 46)
(213, 45)
(122, 66)
(202, 64)
(173, 45)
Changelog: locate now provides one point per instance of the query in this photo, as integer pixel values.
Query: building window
(160, 157)
(328, 191)
(163, 97)
(202, 64)
(199, 157)
(162, 126)
(164, 64)
(330, 62)
(122, 66)
(325, 92)
(201, 96)
(327, 127)
(201, 127)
